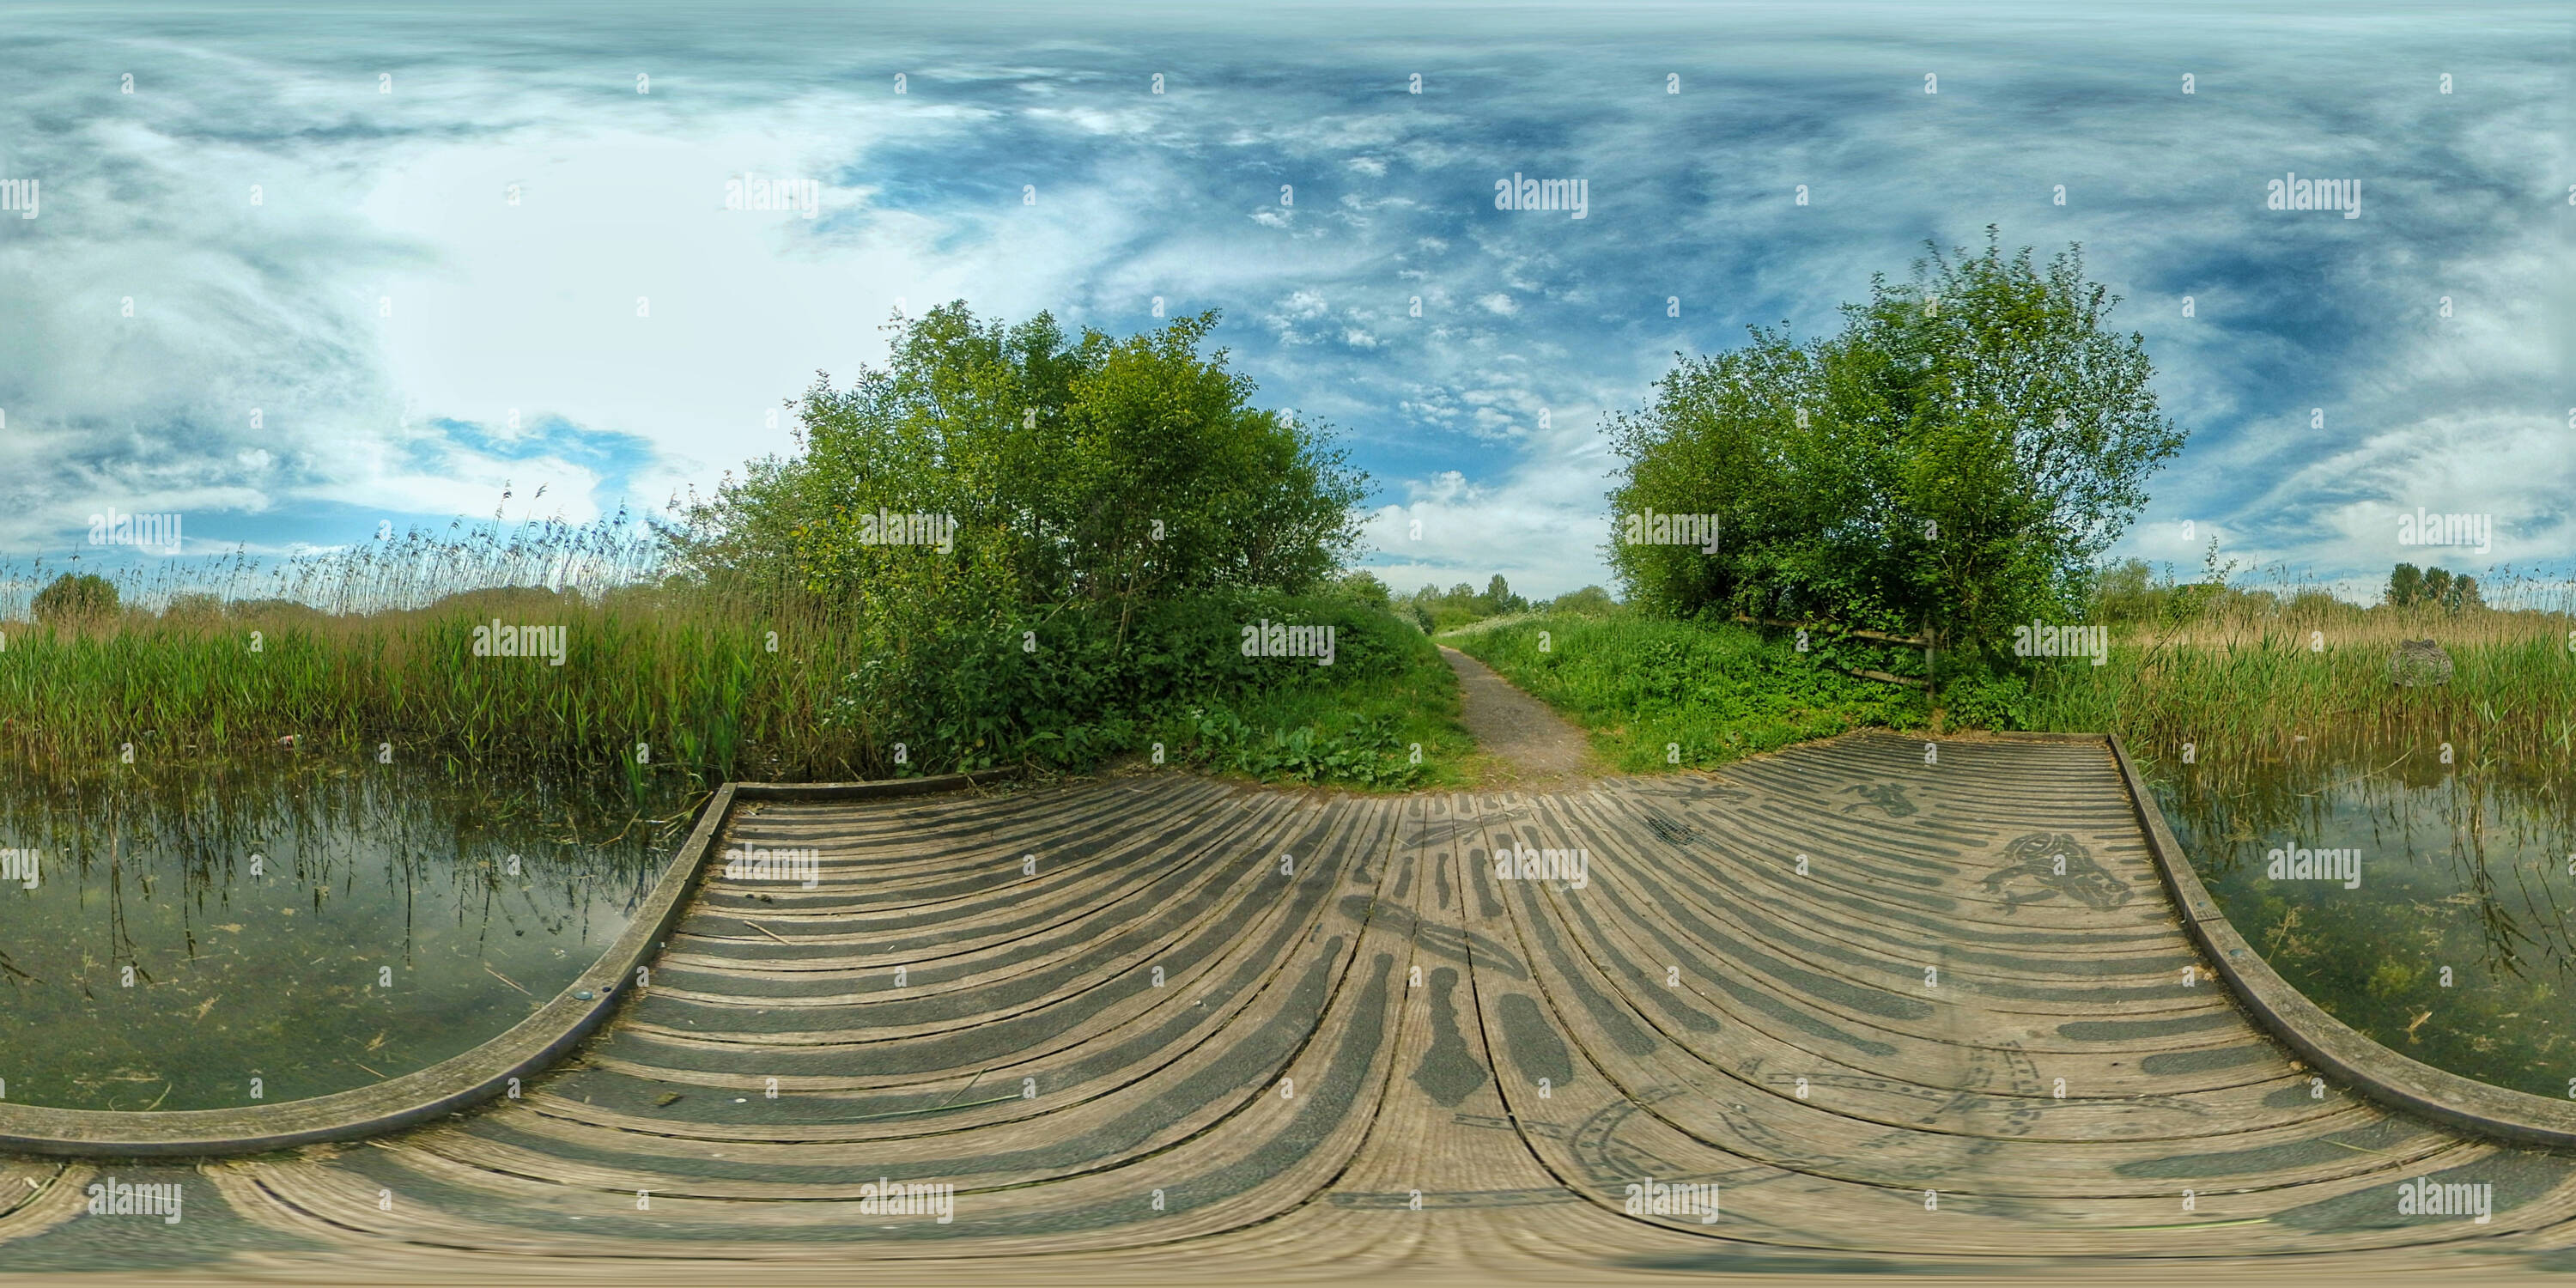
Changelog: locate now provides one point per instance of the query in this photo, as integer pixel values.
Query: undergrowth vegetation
(2256, 677)
(2244, 680)
(1007, 548)
(1658, 692)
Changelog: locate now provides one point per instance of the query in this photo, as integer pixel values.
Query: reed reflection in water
(313, 926)
(2456, 945)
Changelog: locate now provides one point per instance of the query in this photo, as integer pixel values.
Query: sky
(327, 267)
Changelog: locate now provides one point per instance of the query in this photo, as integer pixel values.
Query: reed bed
(371, 650)
(2257, 679)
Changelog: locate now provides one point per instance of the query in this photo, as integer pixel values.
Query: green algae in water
(315, 927)
(2465, 869)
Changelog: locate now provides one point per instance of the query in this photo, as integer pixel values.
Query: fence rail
(1915, 640)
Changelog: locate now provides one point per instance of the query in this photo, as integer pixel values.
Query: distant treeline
(2133, 591)
(1435, 610)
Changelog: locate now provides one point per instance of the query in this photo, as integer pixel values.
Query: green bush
(1953, 460)
(1659, 693)
(75, 597)
(1064, 688)
(1120, 513)
(1591, 601)
(1094, 470)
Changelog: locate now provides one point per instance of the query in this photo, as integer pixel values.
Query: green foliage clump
(1041, 546)
(75, 597)
(1659, 693)
(1092, 471)
(1591, 601)
(2410, 587)
(1953, 460)
(1363, 587)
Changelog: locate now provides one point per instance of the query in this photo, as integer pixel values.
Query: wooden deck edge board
(458, 1082)
(2328, 1045)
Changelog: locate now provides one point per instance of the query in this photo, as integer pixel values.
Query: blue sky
(386, 309)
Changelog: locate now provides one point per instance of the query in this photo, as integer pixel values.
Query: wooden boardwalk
(1165, 1028)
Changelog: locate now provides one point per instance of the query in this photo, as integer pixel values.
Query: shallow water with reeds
(2437, 906)
(316, 926)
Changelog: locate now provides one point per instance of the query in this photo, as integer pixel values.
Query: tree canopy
(2409, 586)
(1035, 540)
(1086, 469)
(1956, 457)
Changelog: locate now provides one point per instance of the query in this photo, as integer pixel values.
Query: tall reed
(372, 649)
(2257, 679)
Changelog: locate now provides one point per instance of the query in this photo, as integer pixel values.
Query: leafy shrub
(1690, 693)
(75, 597)
(1120, 512)
(1591, 601)
(1954, 459)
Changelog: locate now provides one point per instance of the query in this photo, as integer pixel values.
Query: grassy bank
(2252, 687)
(1656, 693)
(658, 674)
(2238, 688)
(1361, 732)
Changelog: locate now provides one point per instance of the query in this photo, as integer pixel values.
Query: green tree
(2435, 587)
(1363, 586)
(1036, 538)
(1955, 457)
(2125, 592)
(1100, 470)
(2405, 585)
(75, 597)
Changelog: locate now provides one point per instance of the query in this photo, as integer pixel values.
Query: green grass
(1359, 734)
(662, 677)
(2238, 689)
(2260, 695)
(1657, 694)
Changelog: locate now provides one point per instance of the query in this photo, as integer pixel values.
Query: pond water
(316, 927)
(2437, 908)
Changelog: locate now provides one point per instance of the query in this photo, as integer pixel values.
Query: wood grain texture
(1367, 1055)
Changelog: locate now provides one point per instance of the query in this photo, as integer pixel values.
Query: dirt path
(1528, 745)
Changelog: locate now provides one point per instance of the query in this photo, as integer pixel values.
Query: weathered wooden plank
(1672, 1005)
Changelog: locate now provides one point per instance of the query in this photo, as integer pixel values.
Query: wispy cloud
(409, 339)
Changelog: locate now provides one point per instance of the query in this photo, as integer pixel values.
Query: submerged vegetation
(188, 928)
(2446, 937)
